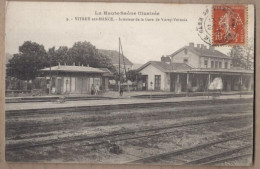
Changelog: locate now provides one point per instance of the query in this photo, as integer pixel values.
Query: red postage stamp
(229, 25)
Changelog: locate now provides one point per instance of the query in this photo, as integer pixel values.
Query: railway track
(205, 160)
(226, 155)
(25, 126)
(117, 134)
(228, 159)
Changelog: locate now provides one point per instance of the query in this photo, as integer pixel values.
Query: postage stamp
(229, 24)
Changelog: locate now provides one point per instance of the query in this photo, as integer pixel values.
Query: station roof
(82, 69)
(165, 67)
(184, 68)
(217, 71)
(107, 73)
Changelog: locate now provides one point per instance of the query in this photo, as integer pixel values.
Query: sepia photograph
(130, 83)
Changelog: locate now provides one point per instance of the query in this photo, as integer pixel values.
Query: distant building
(114, 57)
(76, 79)
(201, 57)
(136, 66)
(193, 68)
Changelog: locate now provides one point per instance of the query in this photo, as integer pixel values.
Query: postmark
(229, 25)
(204, 26)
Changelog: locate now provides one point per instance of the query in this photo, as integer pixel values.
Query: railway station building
(192, 68)
(75, 79)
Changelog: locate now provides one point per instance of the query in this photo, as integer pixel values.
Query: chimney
(82, 65)
(73, 63)
(166, 59)
(198, 46)
(59, 65)
(191, 44)
(203, 46)
(212, 48)
(87, 65)
(162, 59)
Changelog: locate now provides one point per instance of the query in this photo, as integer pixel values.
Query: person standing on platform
(121, 91)
(92, 89)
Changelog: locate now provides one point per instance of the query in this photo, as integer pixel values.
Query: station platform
(115, 95)
(119, 101)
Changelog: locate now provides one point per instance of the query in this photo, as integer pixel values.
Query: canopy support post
(187, 85)
(208, 85)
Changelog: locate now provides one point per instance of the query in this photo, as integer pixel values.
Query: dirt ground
(124, 135)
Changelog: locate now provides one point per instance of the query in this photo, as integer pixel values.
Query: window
(226, 65)
(206, 63)
(185, 60)
(212, 64)
(194, 82)
(97, 81)
(220, 64)
(216, 64)
(157, 82)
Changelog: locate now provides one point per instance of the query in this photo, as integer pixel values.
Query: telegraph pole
(119, 83)
(124, 66)
(50, 77)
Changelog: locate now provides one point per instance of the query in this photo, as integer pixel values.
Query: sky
(53, 24)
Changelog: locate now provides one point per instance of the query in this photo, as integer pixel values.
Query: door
(59, 86)
(173, 78)
(79, 82)
(157, 82)
(145, 82)
(85, 83)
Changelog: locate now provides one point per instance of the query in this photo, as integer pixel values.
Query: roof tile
(74, 69)
(164, 67)
(204, 52)
(113, 55)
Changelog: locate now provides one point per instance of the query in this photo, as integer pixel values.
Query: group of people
(95, 90)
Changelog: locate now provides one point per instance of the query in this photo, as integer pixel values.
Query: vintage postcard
(118, 83)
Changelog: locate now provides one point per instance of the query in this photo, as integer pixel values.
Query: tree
(87, 54)
(61, 55)
(133, 75)
(25, 64)
(80, 53)
(51, 54)
(105, 62)
(32, 57)
(56, 56)
(243, 56)
(8, 56)
(116, 77)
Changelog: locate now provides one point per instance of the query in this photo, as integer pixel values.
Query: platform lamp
(50, 55)
(151, 83)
